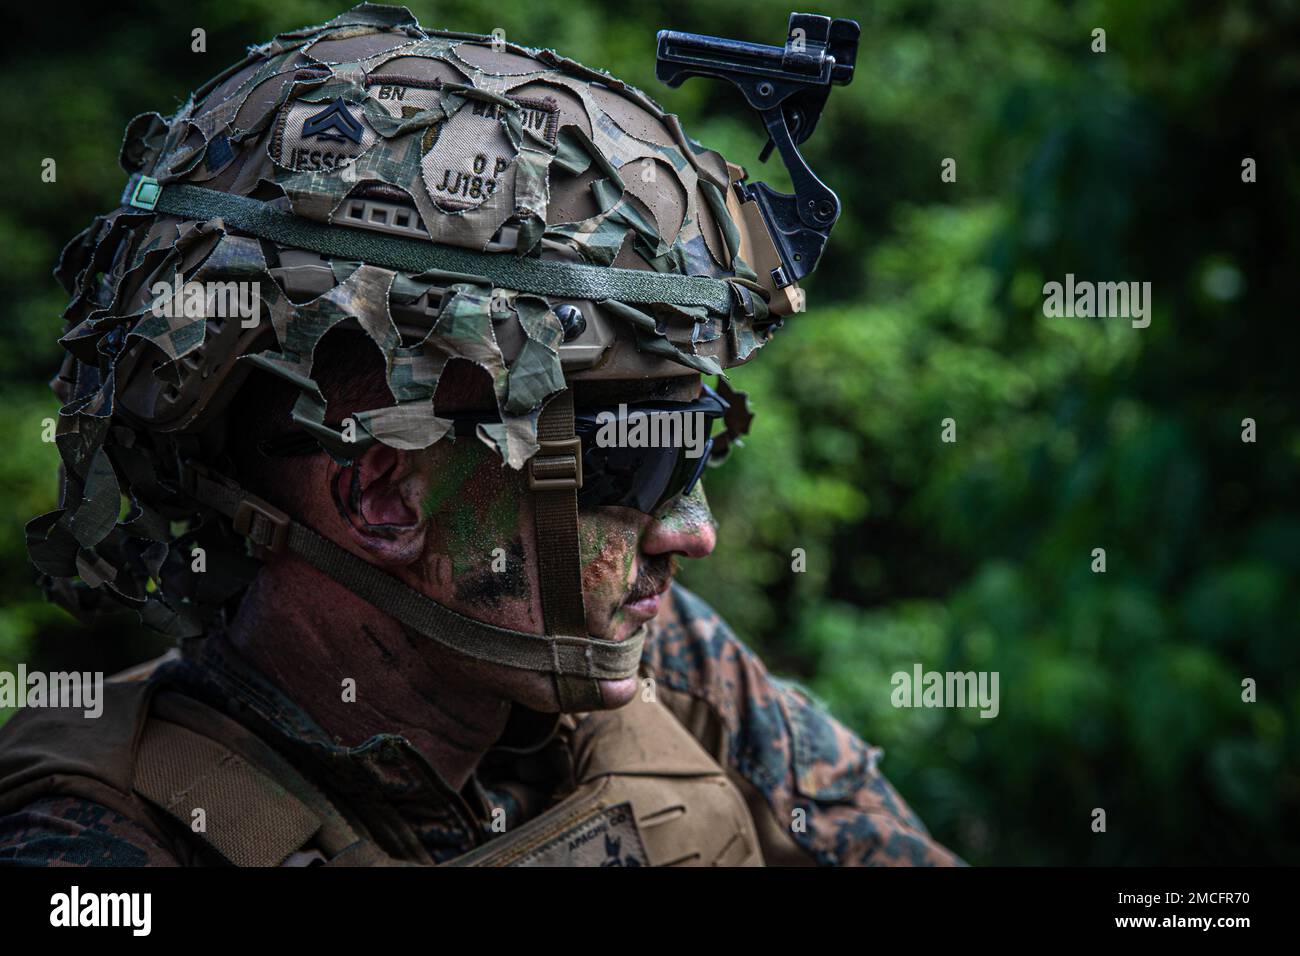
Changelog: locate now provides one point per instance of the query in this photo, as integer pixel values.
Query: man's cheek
(608, 552)
(474, 513)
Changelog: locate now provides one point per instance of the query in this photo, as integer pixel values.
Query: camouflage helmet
(452, 196)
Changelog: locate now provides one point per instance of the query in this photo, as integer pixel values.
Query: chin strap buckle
(557, 466)
(262, 523)
(265, 525)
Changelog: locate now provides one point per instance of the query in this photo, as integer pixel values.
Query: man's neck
(309, 635)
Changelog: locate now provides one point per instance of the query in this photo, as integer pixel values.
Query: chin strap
(575, 662)
(554, 477)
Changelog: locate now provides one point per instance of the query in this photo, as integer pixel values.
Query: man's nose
(685, 526)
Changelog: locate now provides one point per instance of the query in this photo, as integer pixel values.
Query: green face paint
(591, 537)
(476, 526)
(453, 471)
(689, 514)
(608, 543)
(472, 506)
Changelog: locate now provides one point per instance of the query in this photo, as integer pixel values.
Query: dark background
(1119, 690)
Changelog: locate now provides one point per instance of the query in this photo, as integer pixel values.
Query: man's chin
(536, 691)
(616, 693)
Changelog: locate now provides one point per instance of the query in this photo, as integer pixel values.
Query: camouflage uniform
(783, 752)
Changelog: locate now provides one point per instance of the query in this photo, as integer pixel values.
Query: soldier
(344, 349)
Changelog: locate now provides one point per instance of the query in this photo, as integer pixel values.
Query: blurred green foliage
(1119, 690)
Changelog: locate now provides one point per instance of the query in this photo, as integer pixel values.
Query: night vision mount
(788, 86)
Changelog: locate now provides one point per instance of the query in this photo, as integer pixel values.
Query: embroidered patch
(606, 838)
(404, 95)
(311, 137)
(471, 151)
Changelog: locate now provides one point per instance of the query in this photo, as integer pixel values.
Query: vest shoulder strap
(224, 800)
(647, 794)
(188, 775)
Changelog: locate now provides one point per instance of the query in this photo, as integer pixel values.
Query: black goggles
(625, 461)
(645, 476)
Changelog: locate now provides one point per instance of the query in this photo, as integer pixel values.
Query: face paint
(607, 578)
(591, 537)
(452, 466)
(488, 587)
(474, 507)
(473, 510)
(688, 514)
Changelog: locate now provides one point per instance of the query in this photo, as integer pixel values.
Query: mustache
(655, 574)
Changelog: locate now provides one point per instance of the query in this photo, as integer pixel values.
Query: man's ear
(378, 496)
